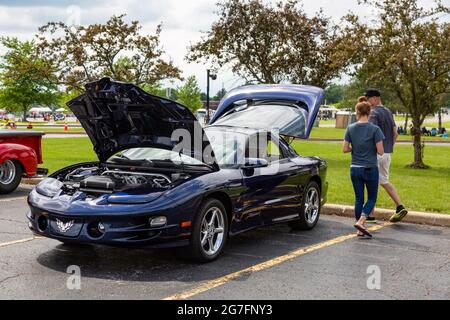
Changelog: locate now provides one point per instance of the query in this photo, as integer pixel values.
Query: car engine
(95, 180)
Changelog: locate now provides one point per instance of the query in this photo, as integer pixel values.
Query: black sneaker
(399, 214)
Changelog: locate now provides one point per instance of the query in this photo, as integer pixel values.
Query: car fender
(24, 155)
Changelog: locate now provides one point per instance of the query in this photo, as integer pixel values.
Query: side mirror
(253, 163)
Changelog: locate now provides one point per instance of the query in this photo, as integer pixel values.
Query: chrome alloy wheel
(7, 172)
(312, 205)
(212, 231)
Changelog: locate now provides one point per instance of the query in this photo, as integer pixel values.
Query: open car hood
(119, 116)
(291, 109)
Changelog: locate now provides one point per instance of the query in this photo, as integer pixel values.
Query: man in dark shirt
(382, 117)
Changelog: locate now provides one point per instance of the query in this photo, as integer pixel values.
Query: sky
(184, 22)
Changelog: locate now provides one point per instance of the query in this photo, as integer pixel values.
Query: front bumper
(118, 230)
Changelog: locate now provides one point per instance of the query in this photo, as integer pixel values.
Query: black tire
(303, 223)
(196, 251)
(11, 184)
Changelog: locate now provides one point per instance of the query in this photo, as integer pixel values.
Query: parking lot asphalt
(402, 261)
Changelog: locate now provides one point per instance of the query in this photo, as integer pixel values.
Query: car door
(271, 192)
(285, 202)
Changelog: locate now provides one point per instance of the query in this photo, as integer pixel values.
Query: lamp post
(211, 76)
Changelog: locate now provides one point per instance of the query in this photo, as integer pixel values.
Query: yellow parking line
(264, 265)
(4, 244)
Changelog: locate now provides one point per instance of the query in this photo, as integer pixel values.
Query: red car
(20, 155)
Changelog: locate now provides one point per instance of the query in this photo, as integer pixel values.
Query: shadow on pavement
(242, 251)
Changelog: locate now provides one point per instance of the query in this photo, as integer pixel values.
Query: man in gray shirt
(382, 117)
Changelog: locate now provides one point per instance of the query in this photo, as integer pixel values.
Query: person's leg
(371, 182)
(384, 166)
(381, 168)
(358, 187)
(390, 189)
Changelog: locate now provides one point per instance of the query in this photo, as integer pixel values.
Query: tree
(408, 51)
(358, 84)
(272, 44)
(189, 94)
(220, 94)
(334, 93)
(116, 49)
(25, 77)
(155, 89)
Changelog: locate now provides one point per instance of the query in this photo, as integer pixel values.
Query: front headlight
(49, 187)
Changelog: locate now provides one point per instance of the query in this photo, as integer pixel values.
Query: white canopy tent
(60, 110)
(40, 109)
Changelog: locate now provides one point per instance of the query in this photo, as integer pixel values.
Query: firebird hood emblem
(64, 227)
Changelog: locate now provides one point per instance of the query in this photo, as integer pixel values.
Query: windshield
(290, 120)
(228, 147)
(154, 154)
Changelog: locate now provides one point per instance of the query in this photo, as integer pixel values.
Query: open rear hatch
(291, 109)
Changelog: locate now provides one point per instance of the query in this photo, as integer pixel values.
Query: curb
(431, 219)
(31, 181)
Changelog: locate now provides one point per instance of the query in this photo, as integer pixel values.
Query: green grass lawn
(333, 133)
(421, 190)
(61, 152)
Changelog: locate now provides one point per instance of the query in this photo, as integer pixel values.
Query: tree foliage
(116, 49)
(220, 94)
(356, 87)
(408, 52)
(25, 78)
(272, 44)
(334, 93)
(189, 94)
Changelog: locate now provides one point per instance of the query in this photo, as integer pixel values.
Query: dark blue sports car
(162, 180)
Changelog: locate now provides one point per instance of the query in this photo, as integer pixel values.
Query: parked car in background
(144, 193)
(200, 114)
(20, 155)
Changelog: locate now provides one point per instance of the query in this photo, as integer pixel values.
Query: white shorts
(384, 164)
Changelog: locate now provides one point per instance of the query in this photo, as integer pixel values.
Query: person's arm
(380, 147)
(394, 126)
(379, 137)
(346, 148)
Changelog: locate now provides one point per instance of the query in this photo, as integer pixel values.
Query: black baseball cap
(372, 93)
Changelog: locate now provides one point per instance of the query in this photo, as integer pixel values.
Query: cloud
(182, 21)
(50, 3)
